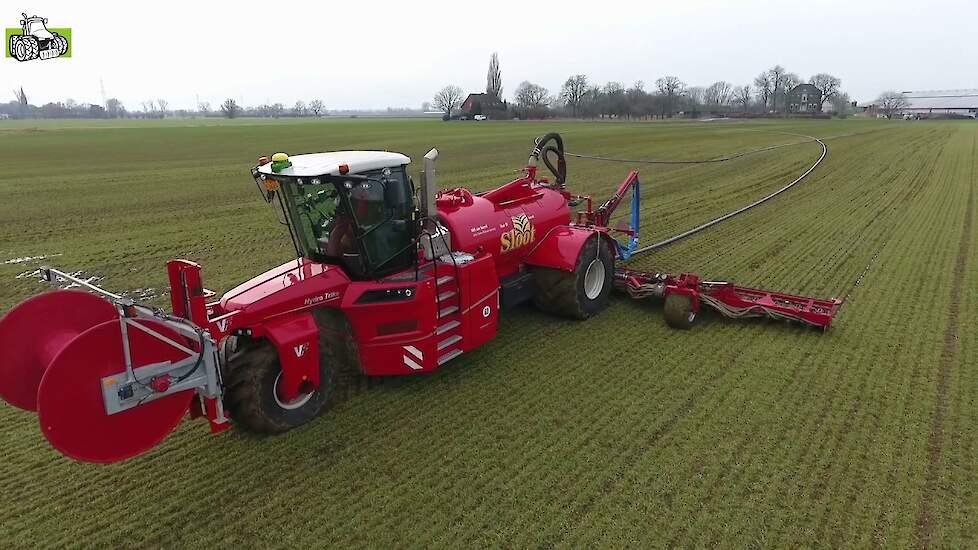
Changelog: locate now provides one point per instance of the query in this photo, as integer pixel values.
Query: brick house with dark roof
(805, 98)
(475, 104)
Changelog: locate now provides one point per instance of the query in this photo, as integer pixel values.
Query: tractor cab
(36, 26)
(349, 208)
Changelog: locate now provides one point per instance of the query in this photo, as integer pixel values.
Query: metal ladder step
(446, 311)
(445, 279)
(447, 327)
(449, 356)
(446, 295)
(453, 339)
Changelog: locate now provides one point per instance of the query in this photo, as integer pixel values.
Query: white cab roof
(319, 164)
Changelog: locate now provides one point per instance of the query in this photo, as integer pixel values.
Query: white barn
(942, 103)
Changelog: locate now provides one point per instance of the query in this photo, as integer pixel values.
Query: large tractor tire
(252, 371)
(251, 397)
(26, 48)
(338, 345)
(679, 312)
(581, 293)
(62, 43)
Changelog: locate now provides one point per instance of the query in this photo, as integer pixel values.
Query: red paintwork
(602, 216)
(296, 337)
(35, 331)
(740, 302)
(399, 337)
(480, 223)
(69, 399)
(561, 247)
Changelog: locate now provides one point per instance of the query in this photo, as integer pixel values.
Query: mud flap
(296, 338)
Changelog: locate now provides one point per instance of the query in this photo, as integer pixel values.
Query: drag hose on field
(690, 232)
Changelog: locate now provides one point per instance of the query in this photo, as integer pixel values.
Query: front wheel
(252, 379)
(580, 293)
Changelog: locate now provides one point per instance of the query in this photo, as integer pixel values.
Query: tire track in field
(924, 531)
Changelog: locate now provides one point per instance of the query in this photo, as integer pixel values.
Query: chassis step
(453, 339)
(444, 280)
(446, 295)
(442, 329)
(449, 356)
(446, 311)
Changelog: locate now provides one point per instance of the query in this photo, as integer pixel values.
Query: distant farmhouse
(942, 103)
(805, 98)
(474, 104)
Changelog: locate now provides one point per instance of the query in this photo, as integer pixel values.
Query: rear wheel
(62, 43)
(253, 375)
(679, 311)
(581, 293)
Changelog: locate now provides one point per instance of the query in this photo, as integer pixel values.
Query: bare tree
(762, 88)
(638, 101)
(670, 88)
(743, 95)
(114, 108)
(788, 83)
(204, 108)
(841, 105)
(614, 93)
(532, 99)
(163, 104)
(694, 98)
(573, 92)
(230, 108)
(828, 84)
(448, 99)
(299, 109)
(776, 77)
(148, 107)
(892, 103)
(591, 102)
(494, 80)
(316, 106)
(718, 93)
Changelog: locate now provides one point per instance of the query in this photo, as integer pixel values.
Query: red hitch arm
(728, 299)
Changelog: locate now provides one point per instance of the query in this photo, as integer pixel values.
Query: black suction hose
(542, 145)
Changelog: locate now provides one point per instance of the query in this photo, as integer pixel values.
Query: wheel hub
(299, 401)
(594, 279)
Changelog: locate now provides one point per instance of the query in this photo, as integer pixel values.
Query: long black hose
(691, 161)
(690, 232)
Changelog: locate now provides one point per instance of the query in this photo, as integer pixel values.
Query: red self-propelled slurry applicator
(386, 282)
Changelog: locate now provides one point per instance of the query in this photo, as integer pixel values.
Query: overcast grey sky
(365, 54)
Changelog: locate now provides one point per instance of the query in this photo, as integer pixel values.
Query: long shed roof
(943, 99)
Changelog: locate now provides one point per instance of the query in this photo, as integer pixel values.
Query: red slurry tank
(506, 223)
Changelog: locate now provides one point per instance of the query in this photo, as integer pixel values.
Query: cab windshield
(361, 221)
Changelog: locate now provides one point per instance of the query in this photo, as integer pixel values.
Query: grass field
(614, 432)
